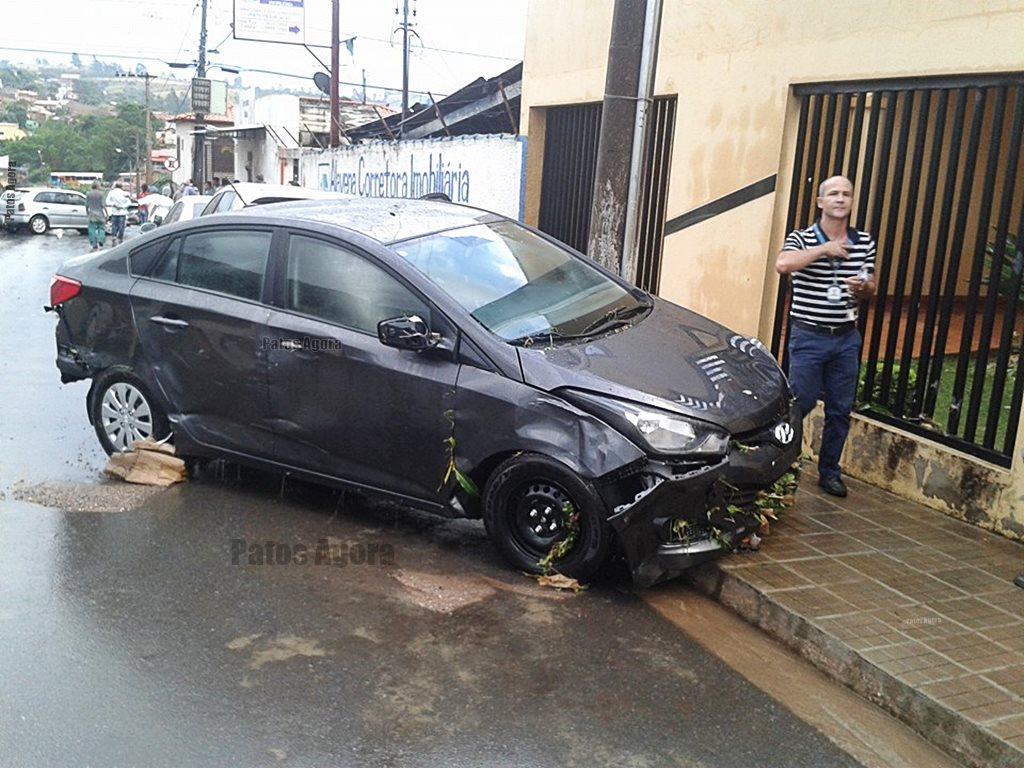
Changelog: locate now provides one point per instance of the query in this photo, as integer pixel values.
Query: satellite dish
(323, 82)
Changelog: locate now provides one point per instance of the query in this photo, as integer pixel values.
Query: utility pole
(147, 170)
(335, 138)
(405, 59)
(149, 136)
(364, 86)
(199, 136)
(629, 84)
(407, 30)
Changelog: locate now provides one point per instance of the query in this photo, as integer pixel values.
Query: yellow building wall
(731, 64)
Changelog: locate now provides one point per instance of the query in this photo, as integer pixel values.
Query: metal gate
(567, 186)
(935, 164)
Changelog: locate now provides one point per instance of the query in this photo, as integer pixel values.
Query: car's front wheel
(543, 516)
(123, 411)
(38, 224)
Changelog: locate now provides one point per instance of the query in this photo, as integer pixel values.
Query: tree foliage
(90, 144)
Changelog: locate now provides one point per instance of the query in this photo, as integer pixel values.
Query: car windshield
(519, 285)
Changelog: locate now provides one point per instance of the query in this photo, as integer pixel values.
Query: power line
(164, 61)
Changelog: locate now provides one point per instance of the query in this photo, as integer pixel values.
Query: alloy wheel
(126, 415)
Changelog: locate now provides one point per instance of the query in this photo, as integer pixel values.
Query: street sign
(200, 95)
(300, 22)
(171, 164)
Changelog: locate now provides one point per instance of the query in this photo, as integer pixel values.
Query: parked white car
(243, 194)
(190, 207)
(43, 208)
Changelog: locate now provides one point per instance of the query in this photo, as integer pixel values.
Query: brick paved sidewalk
(910, 607)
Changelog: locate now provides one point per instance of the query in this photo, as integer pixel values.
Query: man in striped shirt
(832, 268)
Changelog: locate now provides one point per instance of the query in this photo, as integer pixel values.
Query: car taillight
(62, 289)
(21, 206)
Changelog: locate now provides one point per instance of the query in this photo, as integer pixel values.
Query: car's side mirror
(149, 226)
(406, 333)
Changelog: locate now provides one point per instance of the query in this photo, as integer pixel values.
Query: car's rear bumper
(715, 500)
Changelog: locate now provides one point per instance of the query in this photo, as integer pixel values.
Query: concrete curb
(941, 726)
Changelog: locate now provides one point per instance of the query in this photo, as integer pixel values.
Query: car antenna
(244, 203)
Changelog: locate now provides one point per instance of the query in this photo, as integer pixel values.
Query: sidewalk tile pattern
(926, 598)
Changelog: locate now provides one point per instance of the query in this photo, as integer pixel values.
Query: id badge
(835, 294)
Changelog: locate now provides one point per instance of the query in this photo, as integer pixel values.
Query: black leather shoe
(833, 486)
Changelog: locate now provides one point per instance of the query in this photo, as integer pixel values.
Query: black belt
(822, 328)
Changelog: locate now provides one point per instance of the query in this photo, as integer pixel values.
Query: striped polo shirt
(811, 284)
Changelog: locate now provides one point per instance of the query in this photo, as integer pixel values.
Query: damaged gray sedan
(443, 355)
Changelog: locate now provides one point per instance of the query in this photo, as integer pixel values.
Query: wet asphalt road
(132, 638)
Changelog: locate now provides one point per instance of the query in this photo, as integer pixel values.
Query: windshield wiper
(548, 336)
(613, 319)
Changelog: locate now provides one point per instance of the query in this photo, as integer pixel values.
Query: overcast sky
(168, 30)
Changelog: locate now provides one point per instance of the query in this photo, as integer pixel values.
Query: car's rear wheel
(123, 411)
(38, 224)
(532, 504)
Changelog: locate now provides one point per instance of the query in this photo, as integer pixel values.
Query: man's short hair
(117, 184)
(95, 185)
(821, 187)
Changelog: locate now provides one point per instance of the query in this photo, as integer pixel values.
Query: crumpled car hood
(673, 359)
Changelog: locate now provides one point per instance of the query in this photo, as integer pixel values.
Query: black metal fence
(567, 185)
(936, 165)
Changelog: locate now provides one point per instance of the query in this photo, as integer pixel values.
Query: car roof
(385, 219)
(251, 191)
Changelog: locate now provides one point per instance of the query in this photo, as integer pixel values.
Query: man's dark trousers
(825, 367)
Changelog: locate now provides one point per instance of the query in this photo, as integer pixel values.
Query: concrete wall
(484, 171)
(732, 65)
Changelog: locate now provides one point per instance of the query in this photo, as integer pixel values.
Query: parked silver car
(43, 208)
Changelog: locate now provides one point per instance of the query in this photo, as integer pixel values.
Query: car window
(336, 285)
(167, 267)
(46, 197)
(514, 282)
(211, 206)
(141, 260)
(227, 202)
(197, 209)
(226, 261)
(175, 213)
(69, 199)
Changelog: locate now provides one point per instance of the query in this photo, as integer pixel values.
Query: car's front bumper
(714, 498)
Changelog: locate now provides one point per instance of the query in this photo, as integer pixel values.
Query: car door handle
(169, 321)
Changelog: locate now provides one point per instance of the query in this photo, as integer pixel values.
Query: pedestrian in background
(118, 202)
(96, 212)
(832, 267)
(143, 210)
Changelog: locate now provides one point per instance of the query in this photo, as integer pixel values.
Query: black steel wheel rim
(536, 516)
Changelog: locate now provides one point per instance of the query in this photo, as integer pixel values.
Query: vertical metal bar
(904, 213)
(924, 238)
(863, 213)
(1005, 348)
(995, 273)
(547, 174)
(837, 162)
(824, 170)
(924, 363)
(667, 165)
(808, 185)
(794, 199)
(974, 287)
(575, 153)
(878, 308)
(852, 164)
(956, 249)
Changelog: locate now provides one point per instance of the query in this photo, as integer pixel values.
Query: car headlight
(660, 431)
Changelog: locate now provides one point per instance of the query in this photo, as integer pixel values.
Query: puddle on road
(439, 592)
(274, 649)
(86, 497)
